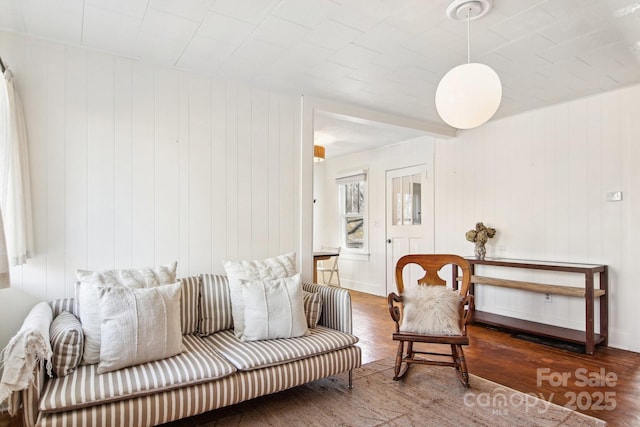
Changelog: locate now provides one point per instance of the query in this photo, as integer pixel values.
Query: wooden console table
(588, 337)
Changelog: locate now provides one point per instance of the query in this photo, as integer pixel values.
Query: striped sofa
(214, 371)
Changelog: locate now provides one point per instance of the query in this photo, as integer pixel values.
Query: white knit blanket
(28, 347)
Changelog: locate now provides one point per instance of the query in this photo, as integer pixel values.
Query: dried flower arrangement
(480, 236)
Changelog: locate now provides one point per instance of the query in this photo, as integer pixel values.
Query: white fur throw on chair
(432, 310)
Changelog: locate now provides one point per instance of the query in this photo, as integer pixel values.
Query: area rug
(428, 396)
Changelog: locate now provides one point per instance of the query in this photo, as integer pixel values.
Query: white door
(409, 219)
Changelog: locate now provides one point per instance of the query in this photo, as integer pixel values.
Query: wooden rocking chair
(407, 354)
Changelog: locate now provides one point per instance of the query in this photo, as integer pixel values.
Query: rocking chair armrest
(394, 308)
(469, 303)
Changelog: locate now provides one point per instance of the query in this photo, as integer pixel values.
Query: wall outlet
(614, 196)
(547, 297)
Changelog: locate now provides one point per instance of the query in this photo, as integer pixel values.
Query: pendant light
(469, 94)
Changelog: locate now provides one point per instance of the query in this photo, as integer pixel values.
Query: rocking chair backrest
(432, 264)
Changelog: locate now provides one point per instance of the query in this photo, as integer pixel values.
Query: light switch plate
(614, 196)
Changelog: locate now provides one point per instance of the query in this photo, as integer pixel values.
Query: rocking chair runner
(407, 354)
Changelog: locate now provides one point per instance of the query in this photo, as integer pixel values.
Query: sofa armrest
(31, 396)
(336, 306)
(24, 355)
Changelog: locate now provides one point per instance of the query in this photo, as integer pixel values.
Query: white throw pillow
(273, 309)
(270, 268)
(431, 309)
(138, 325)
(87, 297)
(145, 277)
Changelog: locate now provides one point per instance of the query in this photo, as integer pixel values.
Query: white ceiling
(342, 135)
(385, 55)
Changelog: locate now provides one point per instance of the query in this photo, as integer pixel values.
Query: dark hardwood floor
(605, 385)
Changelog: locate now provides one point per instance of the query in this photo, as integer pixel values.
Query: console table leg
(590, 312)
(604, 307)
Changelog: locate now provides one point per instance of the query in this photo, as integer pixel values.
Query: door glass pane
(396, 199)
(406, 200)
(417, 199)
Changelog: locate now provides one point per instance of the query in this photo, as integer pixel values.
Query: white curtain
(15, 186)
(5, 279)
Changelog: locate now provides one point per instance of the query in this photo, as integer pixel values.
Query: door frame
(427, 214)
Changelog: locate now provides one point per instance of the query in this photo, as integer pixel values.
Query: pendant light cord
(468, 35)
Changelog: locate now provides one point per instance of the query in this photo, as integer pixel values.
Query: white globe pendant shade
(468, 95)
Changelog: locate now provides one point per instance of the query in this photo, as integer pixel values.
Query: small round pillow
(312, 308)
(67, 343)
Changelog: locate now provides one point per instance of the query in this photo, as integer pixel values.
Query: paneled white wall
(540, 179)
(135, 165)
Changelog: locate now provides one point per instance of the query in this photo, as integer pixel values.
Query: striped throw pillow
(67, 342)
(215, 307)
(312, 307)
(189, 304)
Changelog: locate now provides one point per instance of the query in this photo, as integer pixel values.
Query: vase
(480, 251)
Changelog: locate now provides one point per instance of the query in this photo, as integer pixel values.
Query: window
(352, 203)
